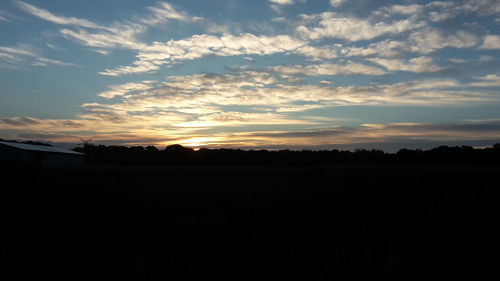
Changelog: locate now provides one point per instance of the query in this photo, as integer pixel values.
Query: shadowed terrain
(247, 223)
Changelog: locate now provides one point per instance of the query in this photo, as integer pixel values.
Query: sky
(272, 74)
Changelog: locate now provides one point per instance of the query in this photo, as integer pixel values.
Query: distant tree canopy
(179, 155)
(27, 142)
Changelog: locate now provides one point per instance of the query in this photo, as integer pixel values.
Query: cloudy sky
(251, 74)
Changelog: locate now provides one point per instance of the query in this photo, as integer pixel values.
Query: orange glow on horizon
(197, 142)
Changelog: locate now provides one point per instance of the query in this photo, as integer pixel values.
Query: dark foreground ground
(203, 223)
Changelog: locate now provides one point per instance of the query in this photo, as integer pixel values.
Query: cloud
(482, 7)
(193, 106)
(386, 48)
(183, 107)
(124, 37)
(491, 42)
(408, 10)
(19, 121)
(122, 34)
(200, 100)
(419, 65)
(444, 10)
(468, 130)
(457, 61)
(13, 57)
(319, 53)
(423, 41)
(376, 134)
(151, 57)
(441, 11)
(41, 61)
(163, 12)
(6, 17)
(309, 134)
(337, 3)
(390, 136)
(279, 19)
(334, 25)
(48, 16)
(490, 80)
(428, 40)
(486, 58)
(137, 67)
(115, 35)
(27, 54)
(230, 118)
(125, 89)
(282, 2)
(44, 136)
(349, 68)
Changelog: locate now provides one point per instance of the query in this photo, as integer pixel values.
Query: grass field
(223, 223)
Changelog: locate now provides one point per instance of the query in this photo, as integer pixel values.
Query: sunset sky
(316, 74)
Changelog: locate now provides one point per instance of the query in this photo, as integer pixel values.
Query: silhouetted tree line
(179, 155)
(27, 142)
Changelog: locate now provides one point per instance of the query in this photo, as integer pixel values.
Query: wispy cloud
(334, 136)
(482, 7)
(228, 119)
(420, 64)
(491, 42)
(48, 16)
(119, 34)
(337, 3)
(408, 10)
(152, 56)
(402, 134)
(125, 89)
(319, 53)
(182, 107)
(23, 50)
(198, 46)
(349, 28)
(22, 55)
(5, 16)
(126, 38)
(163, 12)
(122, 34)
(350, 68)
(385, 48)
(41, 61)
(428, 40)
(310, 57)
(490, 80)
(19, 121)
(282, 2)
(201, 100)
(422, 41)
(89, 33)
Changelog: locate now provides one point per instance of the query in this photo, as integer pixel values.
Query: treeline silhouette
(180, 155)
(27, 142)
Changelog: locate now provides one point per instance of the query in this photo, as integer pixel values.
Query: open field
(223, 223)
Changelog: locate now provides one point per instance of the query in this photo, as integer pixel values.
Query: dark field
(222, 223)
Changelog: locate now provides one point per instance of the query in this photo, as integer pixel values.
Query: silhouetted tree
(28, 142)
(180, 155)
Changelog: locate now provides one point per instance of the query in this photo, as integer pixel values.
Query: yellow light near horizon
(196, 124)
(196, 142)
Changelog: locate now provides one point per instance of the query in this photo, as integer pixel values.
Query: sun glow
(197, 142)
